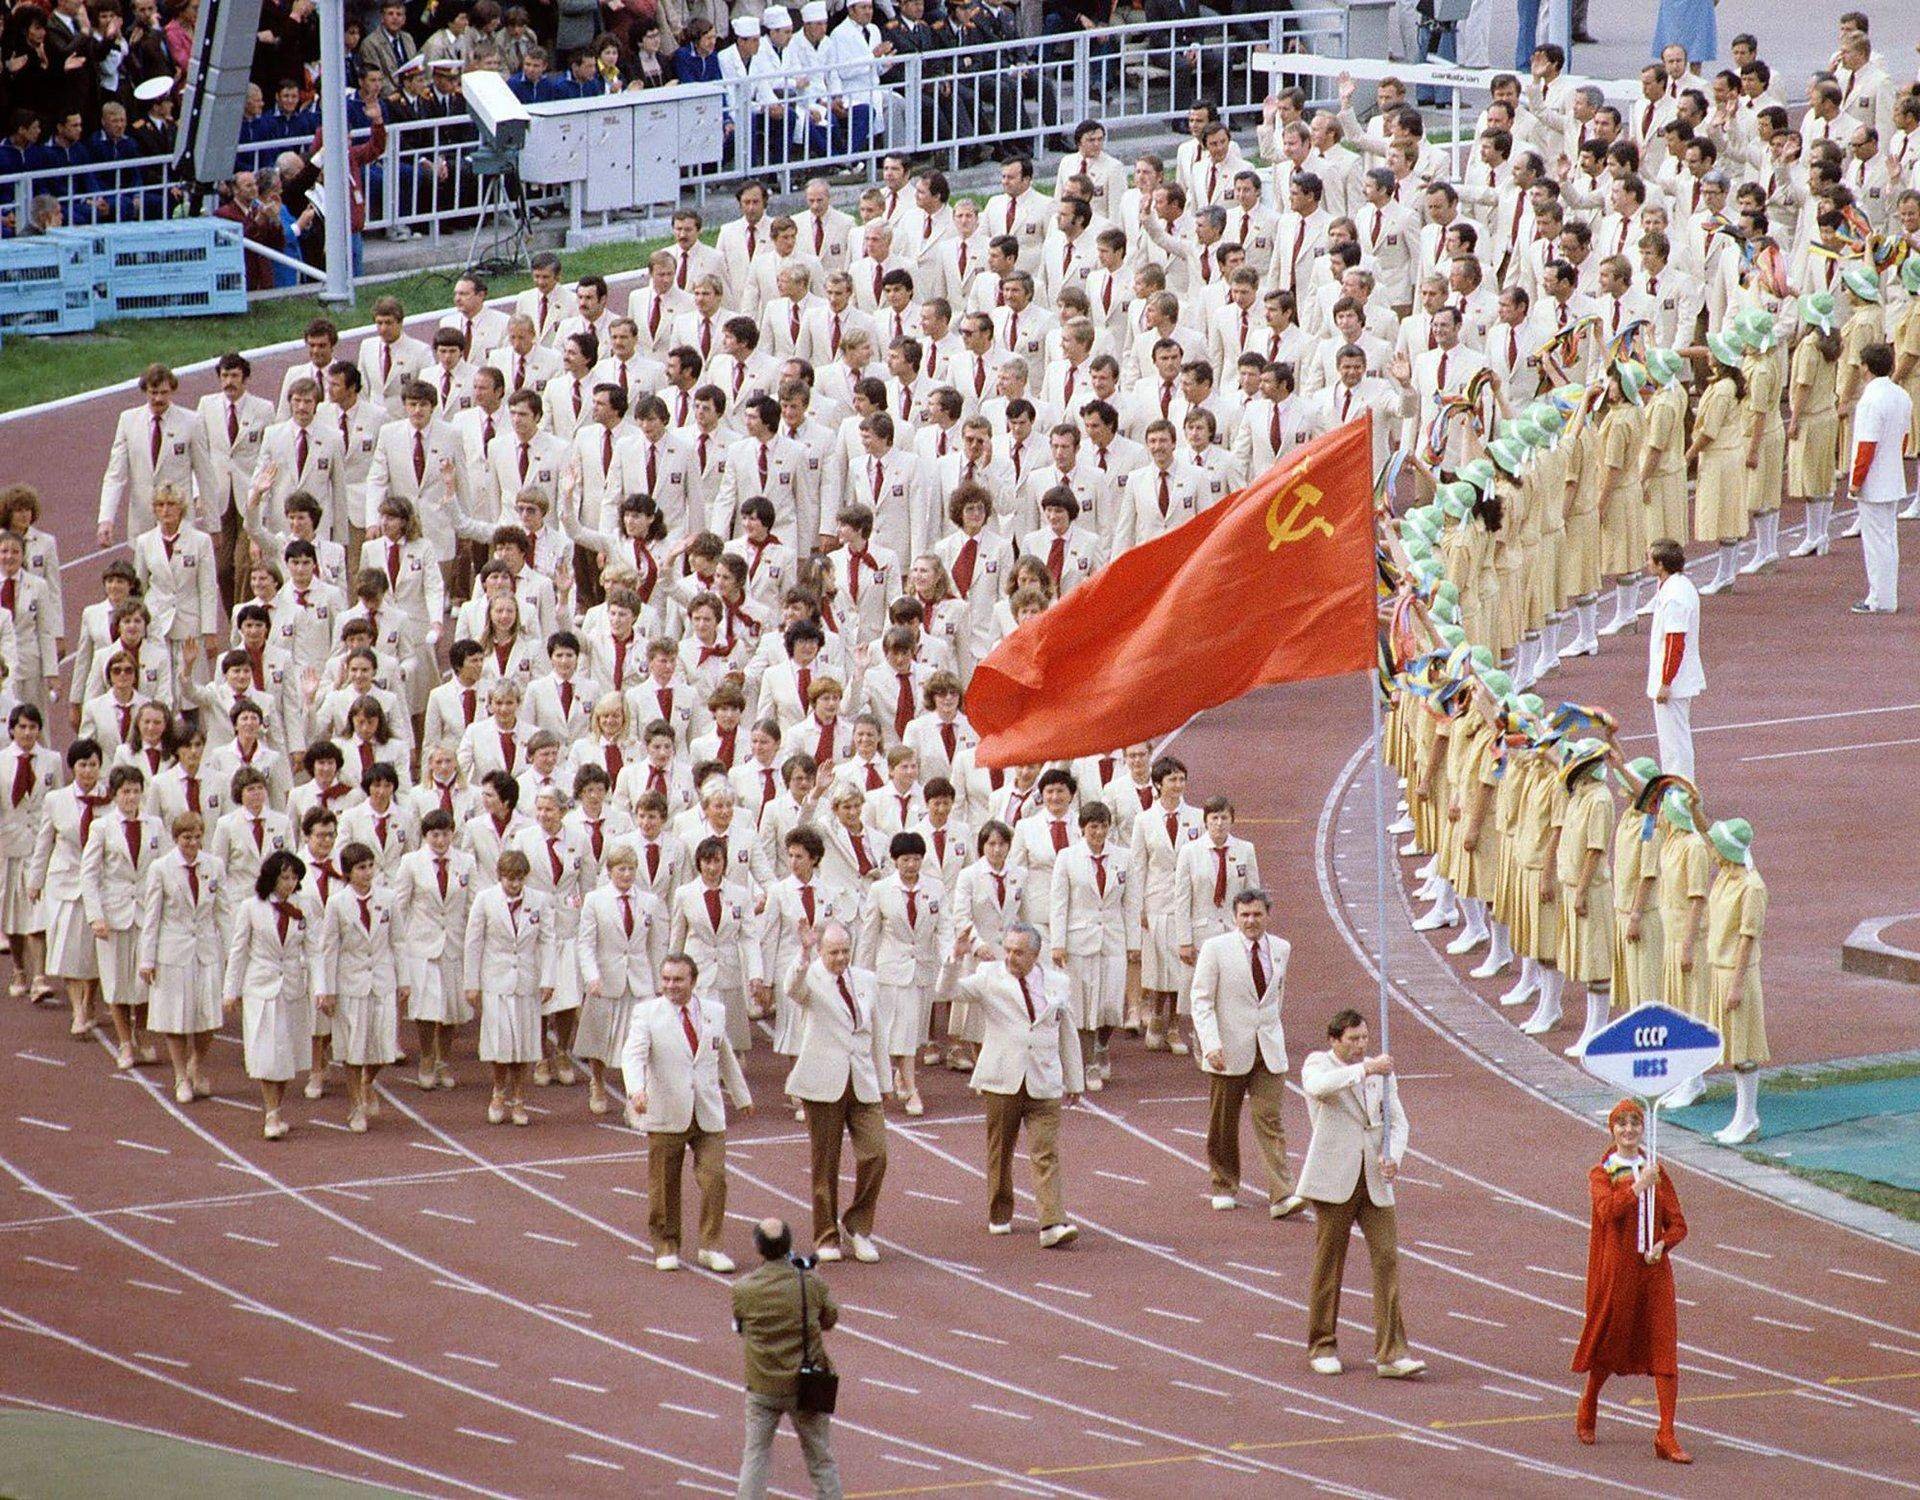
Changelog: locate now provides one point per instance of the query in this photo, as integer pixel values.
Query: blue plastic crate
(47, 284)
(177, 268)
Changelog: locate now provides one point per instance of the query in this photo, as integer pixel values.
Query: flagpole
(1380, 880)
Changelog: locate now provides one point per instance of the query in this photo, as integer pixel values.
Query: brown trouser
(233, 557)
(665, 1148)
(1006, 1113)
(1265, 1089)
(1335, 1224)
(866, 1125)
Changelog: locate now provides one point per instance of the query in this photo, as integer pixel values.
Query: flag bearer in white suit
(1095, 920)
(181, 944)
(432, 890)
(356, 980)
(839, 1077)
(509, 966)
(623, 942)
(266, 981)
(66, 819)
(1029, 1058)
(122, 848)
(1239, 985)
(906, 930)
(676, 1063)
(1359, 1136)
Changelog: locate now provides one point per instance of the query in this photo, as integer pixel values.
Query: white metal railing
(941, 106)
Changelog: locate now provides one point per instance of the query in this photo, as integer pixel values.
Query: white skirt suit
(511, 955)
(182, 939)
(355, 962)
(71, 951)
(625, 965)
(113, 874)
(268, 970)
(432, 934)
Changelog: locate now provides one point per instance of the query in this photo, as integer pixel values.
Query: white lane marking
(1709, 1374)
(436, 1150)
(1112, 1437)
(154, 1286)
(871, 1312)
(565, 1312)
(161, 1359)
(996, 1411)
(1177, 1317)
(1856, 1275)
(888, 1385)
(668, 1333)
(911, 1463)
(1226, 1463)
(378, 1411)
(627, 1192)
(551, 1239)
(1824, 1396)
(1563, 1275)
(1121, 1177)
(270, 1385)
(1205, 1390)
(598, 1463)
(1783, 1323)
(361, 1333)
(1501, 1390)
(1471, 1318)
(1443, 1249)
(1821, 718)
(1743, 1250)
(35, 1057)
(1318, 1416)
(485, 1436)
(435, 1213)
(51, 1265)
(1241, 1265)
(980, 1338)
(44, 1124)
(1832, 749)
(1894, 1349)
(933, 1197)
(690, 1411)
(253, 1239)
(1065, 1291)
(1092, 1364)
(578, 1385)
(358, 1265)
(470, 1359)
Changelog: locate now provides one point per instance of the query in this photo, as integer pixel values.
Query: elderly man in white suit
(1359, 1136)
(1239, 984)
(1029, 1058)
(676, 1062)
(837, 1078)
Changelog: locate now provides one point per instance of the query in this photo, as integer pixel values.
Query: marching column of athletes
(589, 686)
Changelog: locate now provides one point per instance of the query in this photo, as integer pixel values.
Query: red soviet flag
(1274, 584)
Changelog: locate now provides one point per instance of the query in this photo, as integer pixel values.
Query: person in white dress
(906, 930)
(622, 942)
(121, 849)
(66, 820)
(266, 982)
(986, 901)
(356, 980)
(432, 889)
(1094, 914)
(510, 959)
(181, 944)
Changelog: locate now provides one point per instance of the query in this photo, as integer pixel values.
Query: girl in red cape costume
(1631, 1326)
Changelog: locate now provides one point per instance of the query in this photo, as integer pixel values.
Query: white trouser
(1673, 723)
(1880, 537)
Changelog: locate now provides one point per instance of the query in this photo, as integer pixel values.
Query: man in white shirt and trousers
(1881, 423)
(1675, 674)
(1359, 1136)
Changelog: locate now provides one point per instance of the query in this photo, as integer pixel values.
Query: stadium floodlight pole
(336, 171)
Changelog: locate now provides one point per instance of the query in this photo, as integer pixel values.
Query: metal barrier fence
(945, 106)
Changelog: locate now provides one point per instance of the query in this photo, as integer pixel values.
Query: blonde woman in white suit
(432, 890)
(987, 896)
(66, 819)
(1095, 919)
(623, 939)
(266, 982)
(356, 980)
(510, 960)
(181, 948)
(122, 847)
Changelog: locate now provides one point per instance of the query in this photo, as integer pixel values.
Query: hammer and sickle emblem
(1296, 525)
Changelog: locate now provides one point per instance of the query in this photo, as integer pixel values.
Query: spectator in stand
(389, 46)
(65, 158)
(363, 160)
(650, 70)
(260, 225)
(179, 36)
(532, 74)
(580, 81)
(287, 41)
(110, 145)
(516, 38)
(76, 49)
(32, 71)
(696, 59)
(289, 119)
(147, 54)
(610, 60)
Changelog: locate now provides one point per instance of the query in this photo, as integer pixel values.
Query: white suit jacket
(260, 966)
(625, 967)
(351, 957)
(1345, 1110)
(132, 475)
(178, 926)
(111, 883)
(836, 1045)
(508, 954)
(1085, 920)
(682, 1088)
(1042, 1053)
(1228, 1016)
(1196, 872)
(427, 919)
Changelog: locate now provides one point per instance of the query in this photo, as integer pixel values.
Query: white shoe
(1686, 1094)
(864, 1250)
(717, 1260)
(999, 1229)
(826, 1255)
(1403, 1368)
(666, 1263)
(1582, 647)
(1057, 1234)
(1490, 966)
(1224, 1201)
(1435, 919)
(1736, 1133)
(1287, 1207)
(1520, 994)
(1539, 1025)
(1177, 1045)
(1577, 1050)
(1850, 532)
(1466, 942)
(914, 1106)
(1325, 1364)
(1718, 586)
(1806, 548)
(1400, 825)
(1908, 512)
(1409, 849)
(1094, 1083)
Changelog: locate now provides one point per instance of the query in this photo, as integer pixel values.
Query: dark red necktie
(1027, 995)
(1059, 831)
(1100, 873)
(440, 865)
(1220, 877)
(626, 915)
(1259, 972)
(713, 908)
(686, 1024)
(193, 884)
(846, 994)
(23, 779)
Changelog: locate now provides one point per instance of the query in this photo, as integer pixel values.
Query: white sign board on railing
(625, 150)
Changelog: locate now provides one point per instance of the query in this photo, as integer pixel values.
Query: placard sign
(1651, 1051)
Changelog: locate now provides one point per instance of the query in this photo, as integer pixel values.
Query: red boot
(1667, 1446)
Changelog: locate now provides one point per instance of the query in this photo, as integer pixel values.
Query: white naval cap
(775, 18)
(747, 26)
(814, 12)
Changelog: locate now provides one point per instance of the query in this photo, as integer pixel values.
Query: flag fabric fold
(1276, 583)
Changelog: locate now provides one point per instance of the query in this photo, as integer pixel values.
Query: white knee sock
(1746, 1096)
(1547, 1012)
(1598, 999)
(1525, 985)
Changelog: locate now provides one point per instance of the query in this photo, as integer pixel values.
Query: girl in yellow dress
(1536, 912)
(1686, 878)
(1505, 910)
(1736, 923)
(1636, 878)
(1586, 889)
(1623, 512)
(1718, 454)
(1472, 860)
(1548, 474)
(1766, 436)
(1663, 462)
(1580, 547)
(1813, 419)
